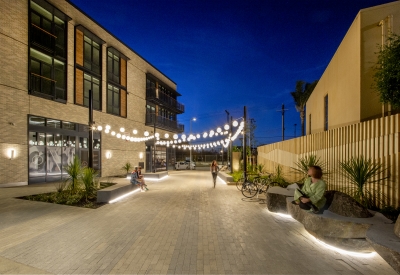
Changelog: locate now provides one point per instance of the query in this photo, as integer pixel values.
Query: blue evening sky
(227, 54)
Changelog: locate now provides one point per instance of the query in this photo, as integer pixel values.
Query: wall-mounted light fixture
(12, 153)
(108, 155)
(141, 155)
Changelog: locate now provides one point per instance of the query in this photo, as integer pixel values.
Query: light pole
(228, 150)
(190, 147)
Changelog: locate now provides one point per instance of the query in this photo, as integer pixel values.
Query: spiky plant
(127, 167)
(360, 172)
(73, 170)
(304, 163)
(279, 177)
(88, 178)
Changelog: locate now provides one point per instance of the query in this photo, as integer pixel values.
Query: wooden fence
(377, 140)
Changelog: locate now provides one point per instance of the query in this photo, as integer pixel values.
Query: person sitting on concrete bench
(311, 197)
(141, 179)
(135, 179)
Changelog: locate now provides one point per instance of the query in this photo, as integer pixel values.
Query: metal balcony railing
(164, 123)
(162, 98)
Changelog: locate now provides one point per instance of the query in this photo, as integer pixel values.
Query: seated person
(139, 172)
(135, 179)
(311, 197)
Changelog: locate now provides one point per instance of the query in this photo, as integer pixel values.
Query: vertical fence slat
(377, 140)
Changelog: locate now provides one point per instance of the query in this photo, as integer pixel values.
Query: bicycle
(242, 180)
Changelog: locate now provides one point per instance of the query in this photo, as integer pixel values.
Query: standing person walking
(214, 168)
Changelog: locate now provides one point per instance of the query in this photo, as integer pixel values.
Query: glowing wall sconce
(108, 155)
(140, 155)
(12, 153)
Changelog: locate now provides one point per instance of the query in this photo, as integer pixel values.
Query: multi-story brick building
(52, 55)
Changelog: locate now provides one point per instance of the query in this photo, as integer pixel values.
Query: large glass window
(91, 55)
(47, 76)
(113, 100)
(91, 83)
(113, 66)
(47, 52)
(48, 31)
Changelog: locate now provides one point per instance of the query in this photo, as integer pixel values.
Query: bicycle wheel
(239, 184)
(249, 189)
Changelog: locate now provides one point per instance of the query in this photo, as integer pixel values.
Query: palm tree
(300, 96)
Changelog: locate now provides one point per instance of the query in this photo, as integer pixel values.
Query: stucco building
(52, 55)
(345, 94)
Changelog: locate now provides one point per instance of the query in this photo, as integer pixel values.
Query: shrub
(74, 171)
(127, 167)
(278, 176)
(89, 182)
(304, 163)
(361, 173)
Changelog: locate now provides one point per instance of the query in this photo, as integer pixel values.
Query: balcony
(164, 123)
(164, 100)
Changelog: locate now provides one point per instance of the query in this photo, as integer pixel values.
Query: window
(93, 84)
(326, 113)
(113, 100)
(47, 76)
(113, 66)
(48, 30)
(91, 55)
(47, 51)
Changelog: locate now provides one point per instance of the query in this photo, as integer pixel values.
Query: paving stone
(181, 226)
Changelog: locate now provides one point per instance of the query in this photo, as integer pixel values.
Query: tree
(387, 72)
(300, 95)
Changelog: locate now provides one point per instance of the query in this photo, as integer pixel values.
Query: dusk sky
(224, 55)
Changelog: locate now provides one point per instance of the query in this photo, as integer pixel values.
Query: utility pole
(283, 121)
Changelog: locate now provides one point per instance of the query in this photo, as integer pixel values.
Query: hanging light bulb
(106, 131)
(219, 130)
(122, 129)
(134, 131)
(108, 127)
(235, 123)
(166, 135)
(198, 136)
(113, 133)
(183, 136)
(146, 133)
(205, 135)
(99, 128)
(157, 135)
(226, 127)
(118, 135)
(175, 136)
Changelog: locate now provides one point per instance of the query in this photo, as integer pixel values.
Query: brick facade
(16, 102)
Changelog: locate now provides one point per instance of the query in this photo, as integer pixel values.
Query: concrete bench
(112, 192)
(155, 176)
(376, 233)
(226, 177)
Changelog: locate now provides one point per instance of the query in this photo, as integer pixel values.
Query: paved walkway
(181, 226)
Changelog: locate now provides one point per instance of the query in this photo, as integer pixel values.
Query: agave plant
(88, 178)
(304, 163)
(360, 173)
(73, 170)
